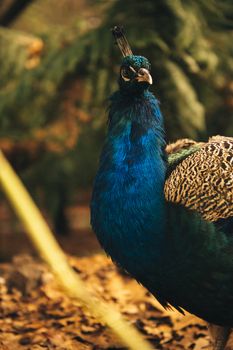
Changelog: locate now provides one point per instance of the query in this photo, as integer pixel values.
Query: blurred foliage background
(59, 64)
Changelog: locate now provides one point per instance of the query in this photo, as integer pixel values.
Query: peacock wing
(202, 179)
(180, 150)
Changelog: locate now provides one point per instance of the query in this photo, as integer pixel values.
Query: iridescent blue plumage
(179, 257)
(126, 166)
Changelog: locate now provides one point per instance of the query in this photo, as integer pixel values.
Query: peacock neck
(128, 195)
(135, 125)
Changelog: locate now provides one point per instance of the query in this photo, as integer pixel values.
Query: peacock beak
(143, 75)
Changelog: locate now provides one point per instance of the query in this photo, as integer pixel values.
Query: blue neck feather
(128, 195)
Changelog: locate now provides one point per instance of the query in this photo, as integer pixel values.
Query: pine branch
(13, 11)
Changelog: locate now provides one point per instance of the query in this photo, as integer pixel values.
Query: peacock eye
(128, 73)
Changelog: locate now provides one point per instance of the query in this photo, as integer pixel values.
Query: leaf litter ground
(36, 315)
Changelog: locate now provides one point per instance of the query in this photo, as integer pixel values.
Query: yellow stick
(45, 243)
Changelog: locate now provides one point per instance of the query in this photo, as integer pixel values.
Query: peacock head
(135, 74)
(135, 70)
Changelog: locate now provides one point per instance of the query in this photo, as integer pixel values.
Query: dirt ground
(35, 314)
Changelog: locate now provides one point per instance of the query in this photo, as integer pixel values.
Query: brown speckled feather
(180, 145)
(203, 181)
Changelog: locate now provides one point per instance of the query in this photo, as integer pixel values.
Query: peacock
(164, 213)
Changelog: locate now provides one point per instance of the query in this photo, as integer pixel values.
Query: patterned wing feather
(181, 145)
(203, 181)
